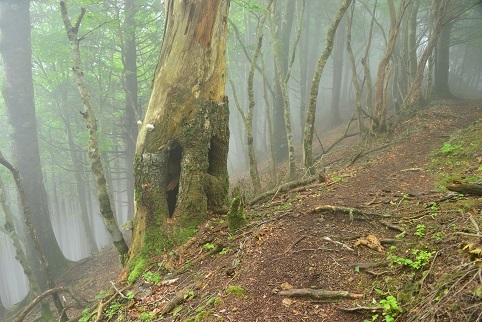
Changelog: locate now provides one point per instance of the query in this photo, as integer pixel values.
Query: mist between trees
(295, 70)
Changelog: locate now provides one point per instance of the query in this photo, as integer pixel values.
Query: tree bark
(18, 94)
(19, 253)
(93, 146)
(383, 72)
(284, 16)
(338, 54)
(442, 63)
(132, 111)
(310, 114)
(180, 165)
(39, 252)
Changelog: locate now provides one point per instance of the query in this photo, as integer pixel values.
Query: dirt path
(286, 245)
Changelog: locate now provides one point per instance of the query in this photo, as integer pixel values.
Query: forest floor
(396, 253)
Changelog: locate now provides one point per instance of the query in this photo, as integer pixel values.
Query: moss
(236, 290)
(236, 218)
(456, 159)
(139, 265)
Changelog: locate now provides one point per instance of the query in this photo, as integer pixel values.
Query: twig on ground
(338, 243)
(311, 294)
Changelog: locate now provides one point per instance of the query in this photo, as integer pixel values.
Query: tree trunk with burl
(180, 166)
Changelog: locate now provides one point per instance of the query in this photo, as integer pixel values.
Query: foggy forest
(92, 98)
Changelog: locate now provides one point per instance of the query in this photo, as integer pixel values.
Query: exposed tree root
(371, 309)
(320, 295)
(285, 187)
(49, 292)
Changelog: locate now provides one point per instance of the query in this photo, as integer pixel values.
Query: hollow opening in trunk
(173, 175)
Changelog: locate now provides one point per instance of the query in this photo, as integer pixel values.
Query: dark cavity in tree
(174, 172)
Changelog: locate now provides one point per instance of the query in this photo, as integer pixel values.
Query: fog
(452, 70)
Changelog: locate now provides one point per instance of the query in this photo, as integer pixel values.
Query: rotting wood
(283, 188)
(179, 297)
(466, 188)
(371, 309)
(354, 213)
(320, 295)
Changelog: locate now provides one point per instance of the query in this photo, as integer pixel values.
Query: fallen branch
(311, 294)
(49, 292)
(466, 188)
(362, 154)
(371, 309)
(354, 213)
(338, 243)
(283, 188)
(180, 297)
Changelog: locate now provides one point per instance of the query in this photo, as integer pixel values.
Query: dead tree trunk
(180, 165)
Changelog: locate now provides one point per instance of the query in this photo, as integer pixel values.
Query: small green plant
(420, 232)
(112, 309)
(151, 277)
(101, 294)
(421, 258)
(236, 290)
(223, 251)
(146, 316)
(438, 236)
(130, 295)
(85, 315)
(390, 307)
(209, 246)
(189, 294)
(448, 148)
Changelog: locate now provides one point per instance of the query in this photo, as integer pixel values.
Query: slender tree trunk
(283, 79)
(440, 19)
(412, 40)
(338, 54)
(355, 81)
(284, 16)
(18, 94)
(380, 112)
(132, 112)
(20, 254)
(310, 114)
(78, 169)
(253, 166)
(181, 155)
(28, 218)
(93, 147)
(442, 63)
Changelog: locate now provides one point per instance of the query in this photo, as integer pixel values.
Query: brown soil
(285, 246)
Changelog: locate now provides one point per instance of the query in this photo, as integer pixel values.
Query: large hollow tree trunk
(180, 165)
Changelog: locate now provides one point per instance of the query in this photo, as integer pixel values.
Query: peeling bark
(180, 165)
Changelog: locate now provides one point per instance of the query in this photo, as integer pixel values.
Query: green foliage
(209, 246)
(139, 266)
(236, 217)
(455, 160)
(85, 315)
(151, 277)
(420, 258)
(391, 309)
(236, 290)
(420, 232)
